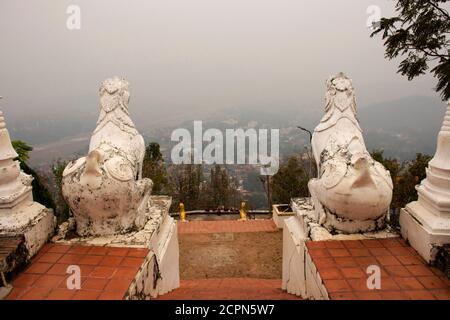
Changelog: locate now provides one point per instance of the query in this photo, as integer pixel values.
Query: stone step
(12, 253)
(229, 289)
(228, 226)
(443, 260)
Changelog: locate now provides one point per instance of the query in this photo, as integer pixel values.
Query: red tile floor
(106, 273)
(342, 265)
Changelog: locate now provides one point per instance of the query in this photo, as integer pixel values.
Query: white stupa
(426, 223)
(19, 214)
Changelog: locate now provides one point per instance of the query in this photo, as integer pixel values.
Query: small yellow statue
(182, 212)
(242, 212)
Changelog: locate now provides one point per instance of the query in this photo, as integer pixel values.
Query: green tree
(154, 168)
(62, 209)
(420, 33)
(41, 191)
(291, 181)
(395, 168)
(22, 149)
(186, 185)
(418, 167)
(221, 190)
(405, 176)
(392, 165)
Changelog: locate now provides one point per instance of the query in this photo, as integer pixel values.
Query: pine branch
(441, 10)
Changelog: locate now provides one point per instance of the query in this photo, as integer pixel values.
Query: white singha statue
(105, 190)
(353, 192)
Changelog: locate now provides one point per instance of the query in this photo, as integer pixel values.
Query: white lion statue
(105, 190)
(353, 192)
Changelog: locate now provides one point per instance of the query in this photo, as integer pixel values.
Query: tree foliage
(221, 189)
(420, 33)
(41, 191)
(186, 182)
(22, 149)
(154, 168)
(199, 190)
(291, 181)
(62, 209)
(405, 176)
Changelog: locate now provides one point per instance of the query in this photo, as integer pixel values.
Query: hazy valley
(401, 128)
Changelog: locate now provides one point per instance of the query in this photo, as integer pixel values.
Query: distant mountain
(403, 127)
(39, 129)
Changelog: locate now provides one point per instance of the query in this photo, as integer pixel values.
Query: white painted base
(168, 255)
(293, 271)
(160, 272)
(299, 275)
(424, 231)
(35, 222)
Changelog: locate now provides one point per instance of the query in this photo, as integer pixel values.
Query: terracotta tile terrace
(342, 266)
(106, 273)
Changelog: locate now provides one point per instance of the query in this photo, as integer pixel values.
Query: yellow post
(242, 212)
(182, 212)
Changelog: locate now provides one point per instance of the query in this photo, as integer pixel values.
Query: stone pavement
(106, 273)
(227, 226)
(342, 266)
(229, 289)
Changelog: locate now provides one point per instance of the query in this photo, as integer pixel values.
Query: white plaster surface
(299, 275)
(160, 272)
(293, 270)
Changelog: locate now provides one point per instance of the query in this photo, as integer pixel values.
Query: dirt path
(231, 255)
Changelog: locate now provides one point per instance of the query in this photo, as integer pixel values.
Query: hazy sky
(183, 55)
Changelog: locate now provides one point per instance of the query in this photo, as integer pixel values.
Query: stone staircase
(230, 289)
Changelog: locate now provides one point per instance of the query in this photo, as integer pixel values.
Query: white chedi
(16, 192)
(15, 185)
(353, 192)
(20, 215)
(105, 190)
(425, 223)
